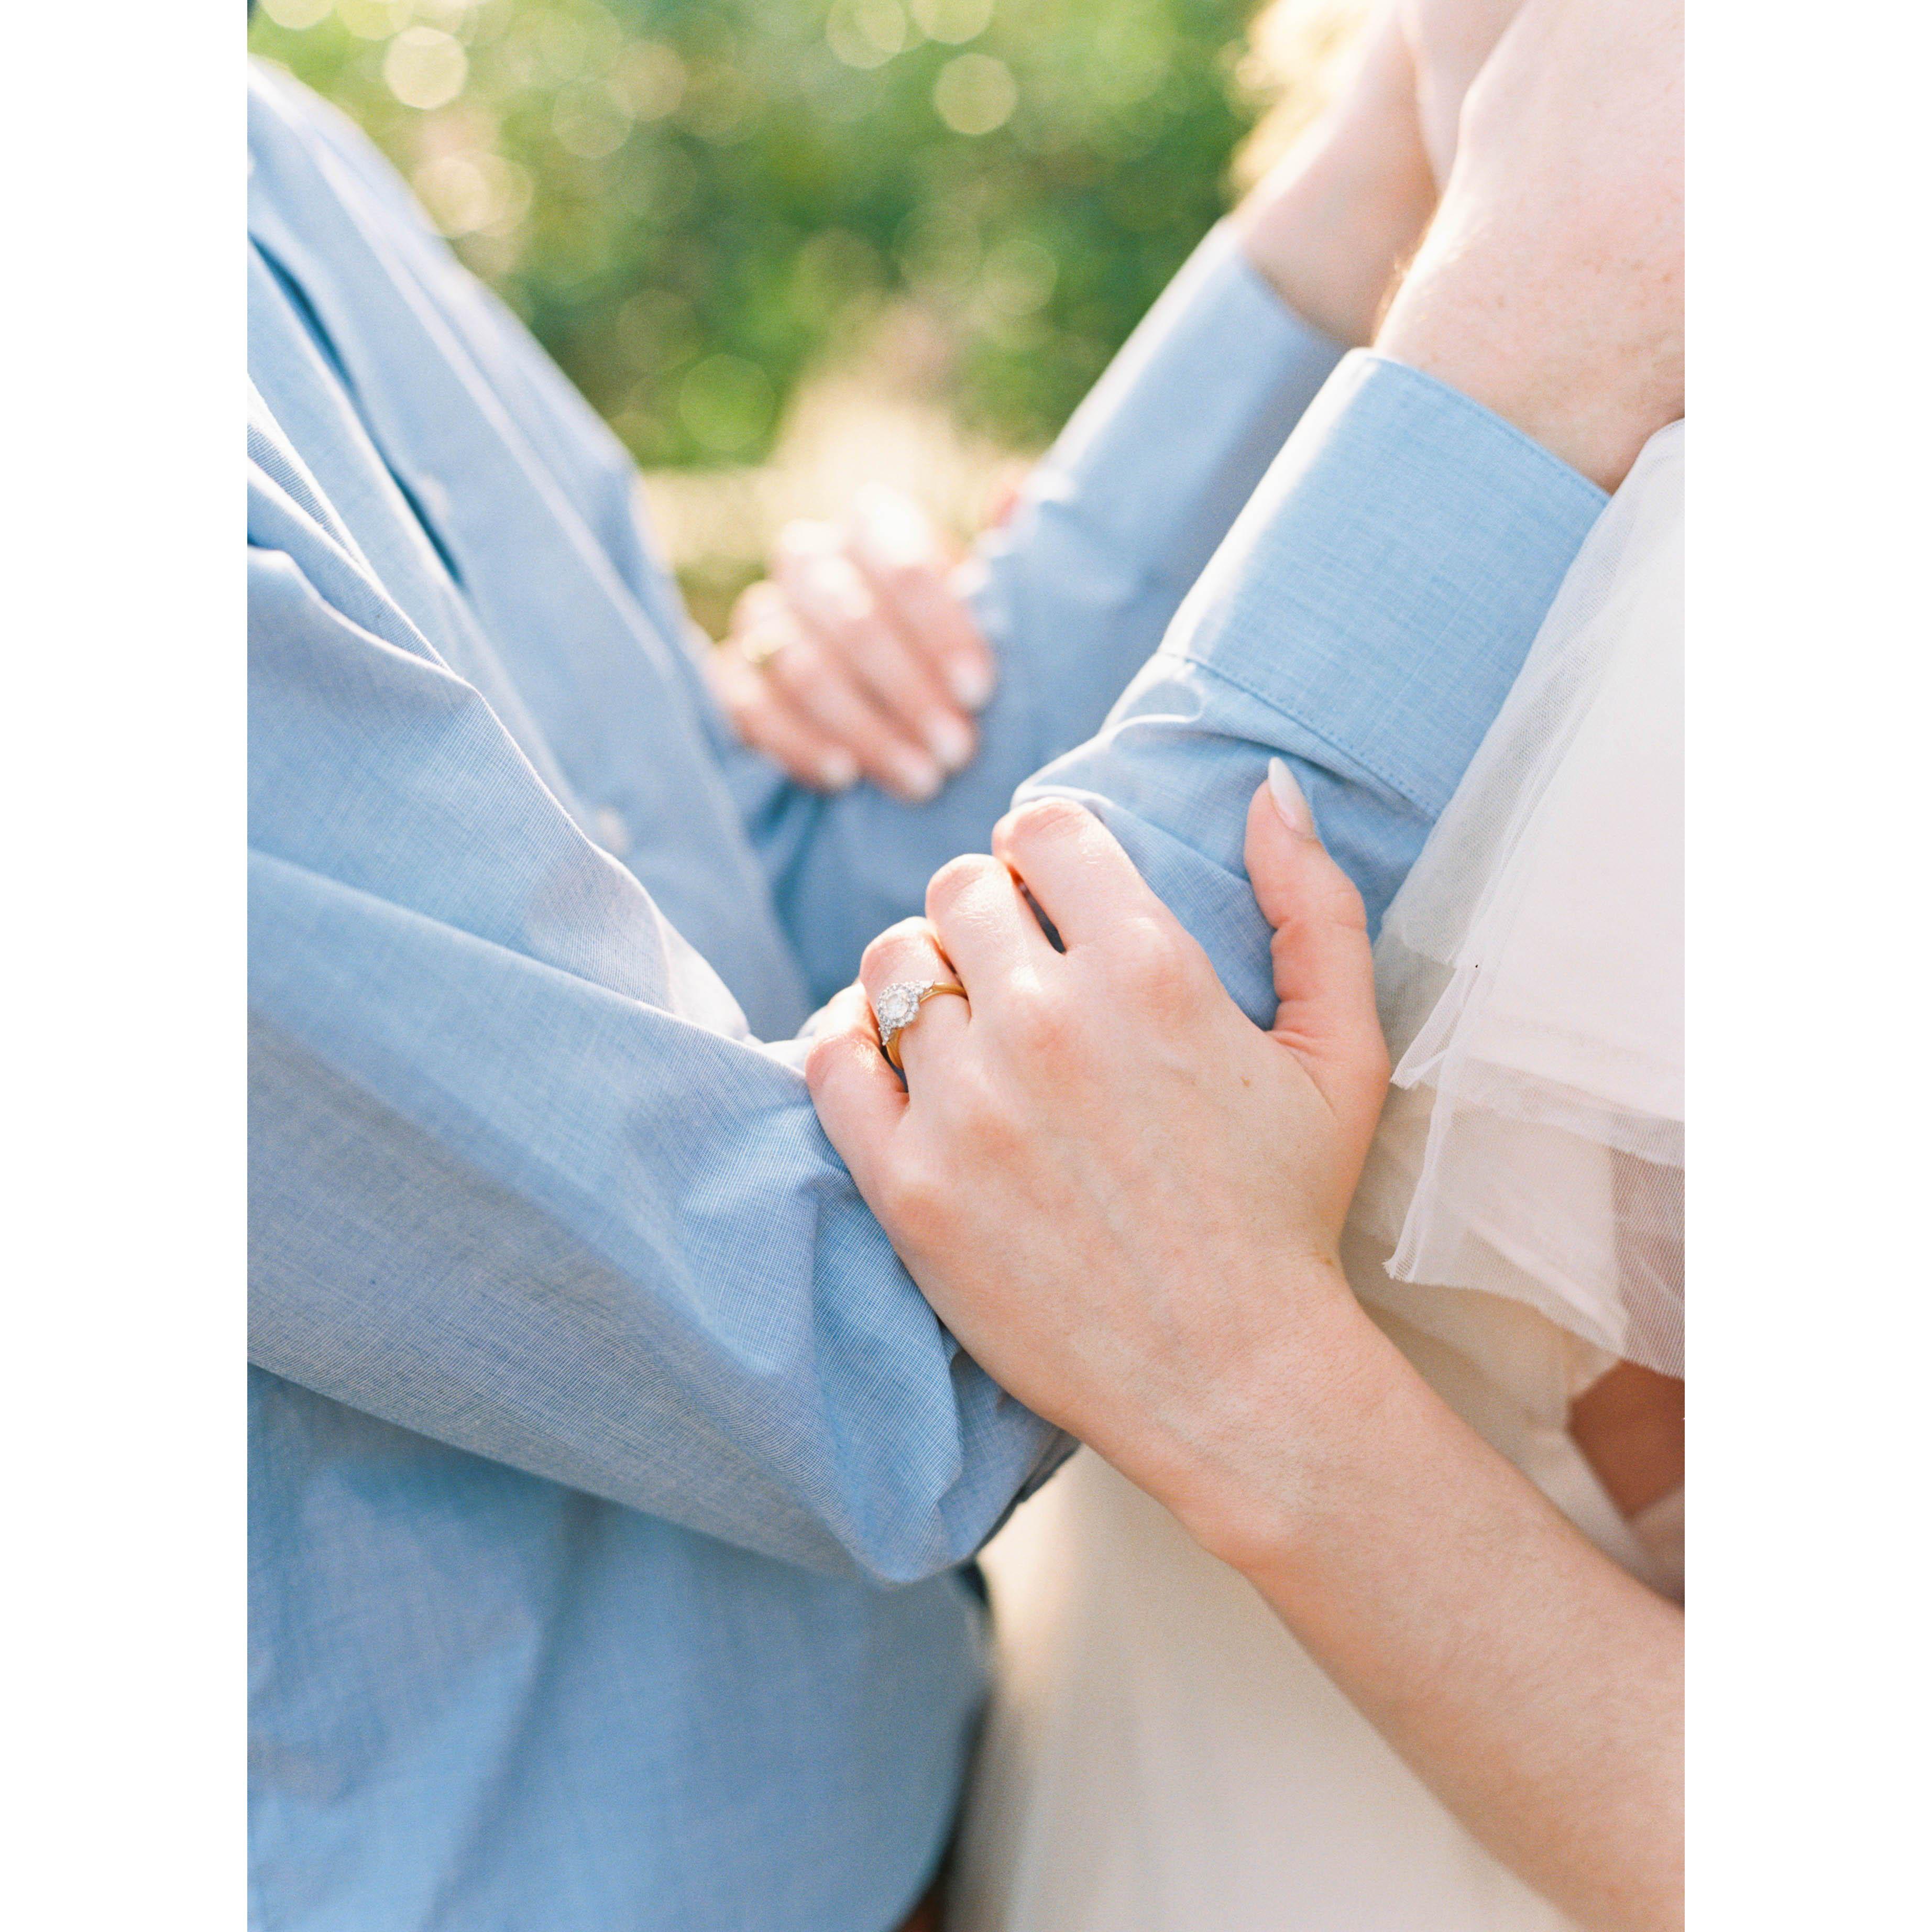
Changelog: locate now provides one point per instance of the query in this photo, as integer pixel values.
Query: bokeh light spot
(473, 193)
(651, 77)
(297, 14)
(591, 119)
(726, 403)
(954, 21)
(373, 20)
(1018, 278)
(975, 93)
(720, 104)
(866, 33)
(425, 67)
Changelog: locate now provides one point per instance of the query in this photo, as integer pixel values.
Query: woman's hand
(1124, 1200)
(857, 658)
(1117, 1192)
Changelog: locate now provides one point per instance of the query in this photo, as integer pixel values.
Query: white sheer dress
(1161, 1756)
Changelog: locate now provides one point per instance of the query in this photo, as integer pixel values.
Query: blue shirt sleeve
(523, 1180)
(520, 1180)
(1073, 593)
(1365, 618)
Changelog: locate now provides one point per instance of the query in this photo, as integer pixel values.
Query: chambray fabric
(1074, 591)
(607, 1472)
(1364, 618)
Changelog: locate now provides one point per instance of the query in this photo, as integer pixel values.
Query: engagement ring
(898, 1007)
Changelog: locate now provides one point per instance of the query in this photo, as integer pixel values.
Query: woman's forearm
(1331, 224)
(1532, 1683)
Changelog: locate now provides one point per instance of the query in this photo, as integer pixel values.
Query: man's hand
(1551, 286)
(858, 658)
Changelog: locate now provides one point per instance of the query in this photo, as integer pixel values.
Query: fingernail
(971, 681)
(951, 743)
(918, 777)
(838, 771)
(1288, 800)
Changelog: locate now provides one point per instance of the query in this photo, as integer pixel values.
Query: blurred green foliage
(692, 202)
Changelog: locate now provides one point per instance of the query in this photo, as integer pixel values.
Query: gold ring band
(898, 1007)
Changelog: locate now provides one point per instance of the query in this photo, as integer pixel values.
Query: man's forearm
(1074, 592)
(1364, 618)
(520, 1181)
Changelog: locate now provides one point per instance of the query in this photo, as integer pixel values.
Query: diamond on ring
(898, 1007)
(899, 1002)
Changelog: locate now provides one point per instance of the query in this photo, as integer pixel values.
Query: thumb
(1323, 973)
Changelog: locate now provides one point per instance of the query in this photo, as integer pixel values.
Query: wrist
(1550, 288)
(1591, 397)
(1254, 1465)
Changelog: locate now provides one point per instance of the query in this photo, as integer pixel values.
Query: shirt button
(613, 834)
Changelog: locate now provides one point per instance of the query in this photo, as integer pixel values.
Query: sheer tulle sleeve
(1530, 973)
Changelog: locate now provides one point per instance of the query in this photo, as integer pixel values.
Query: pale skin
(1550, 286)
(1125, 1200)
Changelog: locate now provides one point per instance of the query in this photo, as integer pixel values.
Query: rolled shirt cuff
(1365, 619)
(1408, 541)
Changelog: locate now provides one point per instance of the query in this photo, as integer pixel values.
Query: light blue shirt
(609, 1476)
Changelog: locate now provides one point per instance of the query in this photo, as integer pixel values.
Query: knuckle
(1140, 947)
(1042, 1025)
(1163, 968)
(1343, 904)
(883, 953)
(1003, 1119)
(908, 582)
(955, 879)
(795, 668)
(837, 590)
(981, 1122)
(870, 646)
(756, 601)
(825, 1051)
(1047, 818)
